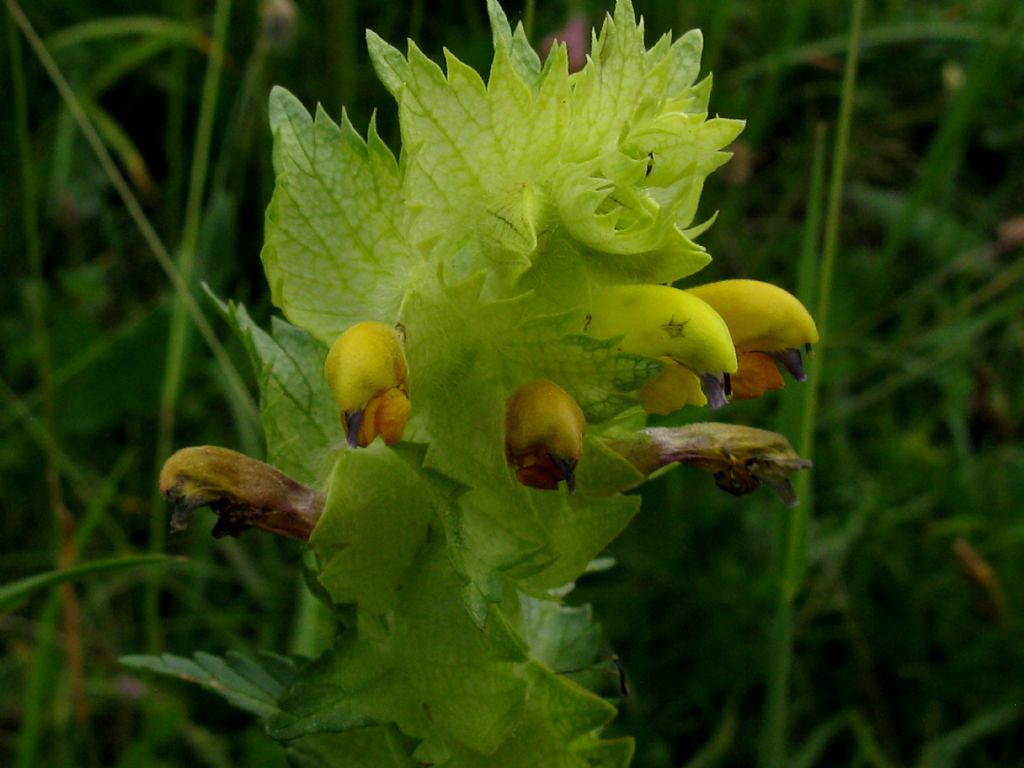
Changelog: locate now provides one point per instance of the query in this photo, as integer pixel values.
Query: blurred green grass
(908, 636)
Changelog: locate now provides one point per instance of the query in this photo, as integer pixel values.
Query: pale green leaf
(609, 88)
(599, 377)
(557, 731)
(335, 251)
(300, 420)
(700, 96)
(524, 58)
(428, 668)
(578, 531)
(375, 520)
(381, 746)
(683, 144)
(388, 62)
(562, 637)
(485, 180)
(685, 55)
(603, 471)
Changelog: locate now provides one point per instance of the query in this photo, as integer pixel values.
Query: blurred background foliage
(908, 635)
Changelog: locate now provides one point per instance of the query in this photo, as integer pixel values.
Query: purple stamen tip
(568, 469)
(713, 385)
(791, 360)
(353, 420)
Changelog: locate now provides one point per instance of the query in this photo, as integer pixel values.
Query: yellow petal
(671, 389)
(661, 321)
(761, 317)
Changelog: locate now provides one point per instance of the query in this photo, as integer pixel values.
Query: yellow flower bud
(543, 435)
(367, 372)
(671, 389)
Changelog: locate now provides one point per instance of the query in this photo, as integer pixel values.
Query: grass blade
(774, 728)
(15, 592)
(178, 337)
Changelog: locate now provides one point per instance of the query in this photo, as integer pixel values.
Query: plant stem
(40, 682)
(174, 128)
(64, 523)
(179, 333)
(528, 15)
(345, 35)
(792, 558)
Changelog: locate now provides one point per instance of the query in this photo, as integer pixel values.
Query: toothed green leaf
(524, 58)
(603, 471)
(297, 412)
(253, 684)
(374, 522)
(369, 747)
(426, 667)
(563, 638)
(335, 251)
(558, 732)
(685, 54)
(599, 377)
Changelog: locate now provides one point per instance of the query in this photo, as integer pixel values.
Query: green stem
(346, 43)
(958, 31)
(766, 96)
(39, 685)
(174, 131)
(63, 522)
(156, 27)
(178, 338)
(528, 15)
(792, 559)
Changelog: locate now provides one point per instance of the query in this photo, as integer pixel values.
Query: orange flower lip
(385, 414)
(757, 374)
(367, 372)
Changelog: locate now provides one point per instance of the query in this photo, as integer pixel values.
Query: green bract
(513, 201)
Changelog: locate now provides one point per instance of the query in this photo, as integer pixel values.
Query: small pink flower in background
(576, 36)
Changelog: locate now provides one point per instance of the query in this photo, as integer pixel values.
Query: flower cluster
(490, 315)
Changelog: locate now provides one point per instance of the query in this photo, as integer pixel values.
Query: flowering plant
(490, 316)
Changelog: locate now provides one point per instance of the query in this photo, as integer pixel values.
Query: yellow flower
(367, 372)
(769, 327)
